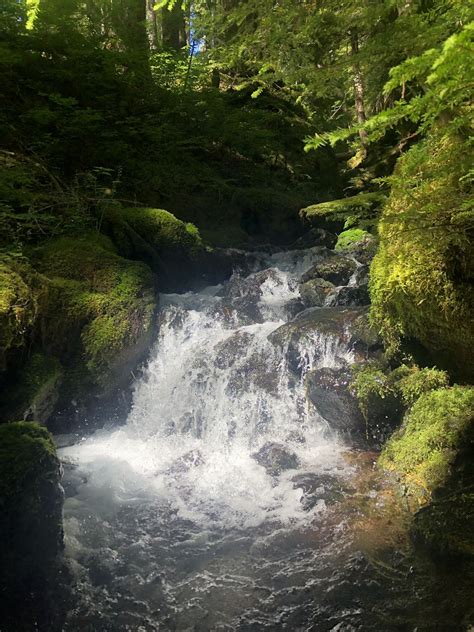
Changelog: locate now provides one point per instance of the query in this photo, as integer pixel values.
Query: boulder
(328, 391)
(315, 292)
(314, 237)
(314, 327)
(275, 458)
(351, 296)
(335, 269)
(31, 498)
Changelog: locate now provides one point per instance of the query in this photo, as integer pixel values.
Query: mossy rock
(444, 527)
(172, 248)
(358, 243)
(31, 501)
(36, 392)
(421, 277)
(433, 433)
(100, 311)
(22, 293)
(346, 212)
(336, 269)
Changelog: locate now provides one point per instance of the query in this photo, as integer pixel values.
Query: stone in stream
(328, 391)
(275, 458)
(314, 237)
(315, 292)
(351, 296)
(319, 329)
(187, 461)
(336, 269)
(318, 487)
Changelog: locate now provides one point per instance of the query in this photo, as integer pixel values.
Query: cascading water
(208, 510)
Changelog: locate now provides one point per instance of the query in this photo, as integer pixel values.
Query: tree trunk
(173, 28)
(152, 25)
(358, 84)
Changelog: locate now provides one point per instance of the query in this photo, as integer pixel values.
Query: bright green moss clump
(422, 452)
(350, 237)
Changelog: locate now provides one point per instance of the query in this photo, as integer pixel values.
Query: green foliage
(27, 451)
(422, 452)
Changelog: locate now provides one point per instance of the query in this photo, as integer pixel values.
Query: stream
(227, 501)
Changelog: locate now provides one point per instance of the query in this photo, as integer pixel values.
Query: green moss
(361, 208)
(370, 382)
(21, 292)
(420, 278)
(135, 228)
(422, 452)
(413, 382)
(26, 451)
(350, 237)
(444, 527)
(100, 304)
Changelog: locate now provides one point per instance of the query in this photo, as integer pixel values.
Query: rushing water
(222, 503)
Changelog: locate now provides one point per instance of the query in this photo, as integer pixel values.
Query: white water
(213, 394)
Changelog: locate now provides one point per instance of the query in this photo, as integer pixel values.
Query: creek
(226, 501)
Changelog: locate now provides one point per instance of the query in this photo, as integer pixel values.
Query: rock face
(315, 237)
(328, 391)
(31, 536)
(275, 458)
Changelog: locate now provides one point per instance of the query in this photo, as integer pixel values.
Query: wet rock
(318, 487)
(315, 237)
(336, 269)
(186, 462)
(314, 329)
(350, 296)
(315, 292)
(250, 286)
(275, 458)
(328, 391)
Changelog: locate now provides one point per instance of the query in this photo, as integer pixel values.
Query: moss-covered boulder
(100, 311)
(22, 293)
(173, 249)
(421, 278)
(433, 433)
(336, 269)
(31, 536)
